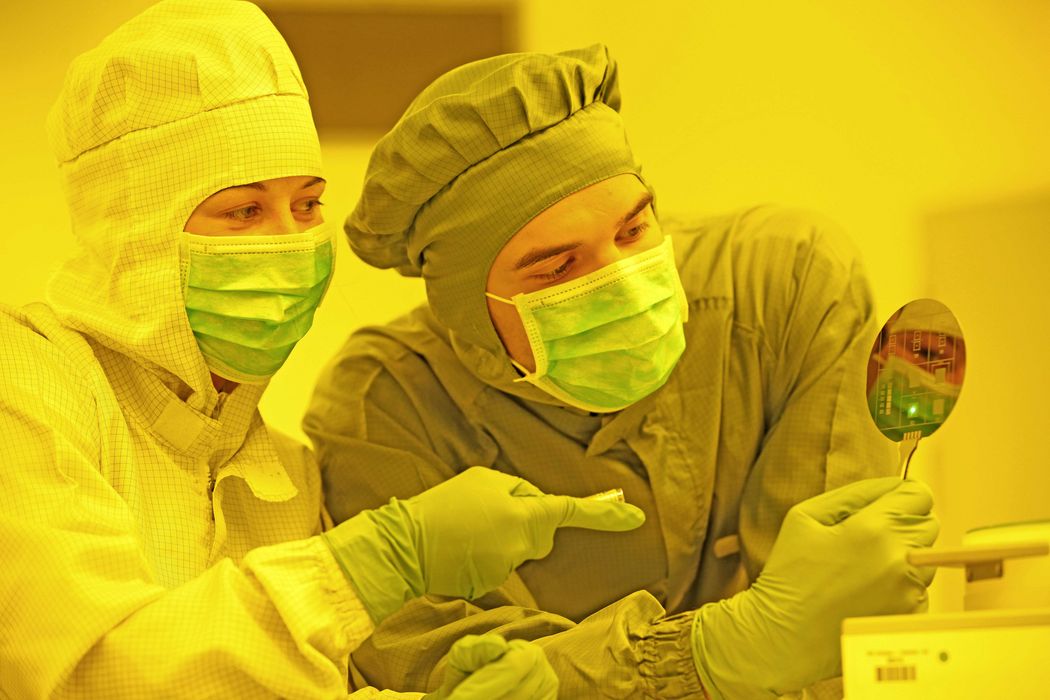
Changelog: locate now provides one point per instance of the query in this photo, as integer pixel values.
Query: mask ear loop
(490, 295)
(184, 266)
(526, 374)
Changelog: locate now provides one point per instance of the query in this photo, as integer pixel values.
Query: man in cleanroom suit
(713, 370)
(157, 540)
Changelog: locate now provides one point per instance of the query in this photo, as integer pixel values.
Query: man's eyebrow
(539, 254)
(262, 187)
(643, 201)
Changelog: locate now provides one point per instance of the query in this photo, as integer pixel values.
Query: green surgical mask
(250, 299)
(603, 341)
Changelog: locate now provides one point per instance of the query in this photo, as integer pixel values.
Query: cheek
(505, 320)
(200, 225)
(511, 333)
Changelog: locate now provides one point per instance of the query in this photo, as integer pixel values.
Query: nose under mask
(606, 340)
(250, 299)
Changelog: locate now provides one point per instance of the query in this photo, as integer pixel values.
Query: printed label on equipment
(895, 673)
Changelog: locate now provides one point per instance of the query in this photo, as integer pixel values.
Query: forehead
(277, 185)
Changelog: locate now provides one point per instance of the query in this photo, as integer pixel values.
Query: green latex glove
(488, 667)
(840, 554)
(461, 538)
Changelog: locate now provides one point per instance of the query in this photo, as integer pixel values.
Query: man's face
(269, 207)
(586, 231)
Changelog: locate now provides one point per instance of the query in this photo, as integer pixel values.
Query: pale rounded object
(610, 496)
(1025, 582)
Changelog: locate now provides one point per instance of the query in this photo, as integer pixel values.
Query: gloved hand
(840, 554)
(461, 538)
(487, 667)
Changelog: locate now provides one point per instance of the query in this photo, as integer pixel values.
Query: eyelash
(632, 234)
(558, 271)
(637, 231)
(242, 214)
(246, 213)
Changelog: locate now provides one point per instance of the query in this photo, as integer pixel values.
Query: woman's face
(266, 208)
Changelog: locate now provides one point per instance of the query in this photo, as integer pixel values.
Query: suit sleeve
(83, 615)
(373, 443)
(802, 291)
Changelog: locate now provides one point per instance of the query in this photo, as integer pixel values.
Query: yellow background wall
(880, 115)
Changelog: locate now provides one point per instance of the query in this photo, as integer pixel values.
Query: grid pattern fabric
(481, 151)
(158, 540)
(764, 409)
(188, 98)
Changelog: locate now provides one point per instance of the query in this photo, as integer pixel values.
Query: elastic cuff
(357, 622)
(376, 552)
(665, 658)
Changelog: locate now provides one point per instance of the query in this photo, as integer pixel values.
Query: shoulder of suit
(715, 254)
